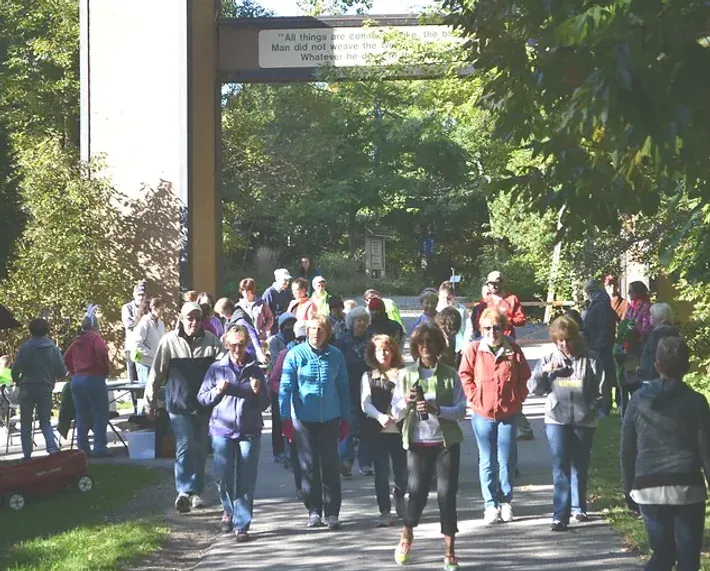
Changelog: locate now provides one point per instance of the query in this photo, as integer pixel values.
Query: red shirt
(510, 305)
(495, 385)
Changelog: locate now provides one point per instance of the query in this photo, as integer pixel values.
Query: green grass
(73, 531)
(606, 493)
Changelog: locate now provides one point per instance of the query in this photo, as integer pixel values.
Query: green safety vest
(443, 384)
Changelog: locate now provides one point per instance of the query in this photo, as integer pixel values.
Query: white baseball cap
(282, 274)
(494, 277)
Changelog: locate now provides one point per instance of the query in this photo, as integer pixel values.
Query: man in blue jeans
(665, 460)
(181, 361)
(37, 366)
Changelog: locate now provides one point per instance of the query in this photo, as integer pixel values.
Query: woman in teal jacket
(314, 402)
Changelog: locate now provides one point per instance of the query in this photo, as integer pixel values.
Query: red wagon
(44, 476)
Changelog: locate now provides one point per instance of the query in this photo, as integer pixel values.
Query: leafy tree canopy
(610, 95)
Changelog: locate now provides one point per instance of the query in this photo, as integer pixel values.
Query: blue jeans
(235, 468)
(37, 396)
(497, 458)
(386, 446)
(90, 397)
(191, 439)
(346, 449)
(317, 444)
(675, 533)
(571, 447)
(143, 372)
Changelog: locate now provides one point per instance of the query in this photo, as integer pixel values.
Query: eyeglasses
(194, 318)
(492, 328)
(236, 345)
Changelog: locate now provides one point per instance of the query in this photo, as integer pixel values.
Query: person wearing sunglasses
(494, 375)
(181, 361)
(234, 389)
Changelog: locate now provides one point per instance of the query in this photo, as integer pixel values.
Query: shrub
(72, 252)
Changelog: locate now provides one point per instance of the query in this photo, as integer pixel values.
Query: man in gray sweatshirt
(37, 366)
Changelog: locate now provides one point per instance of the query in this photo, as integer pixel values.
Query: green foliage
(243, 9)
(307, 167)
(39, 73)
(608, 95)
(73, 250)
(333, 7)
(12, 215)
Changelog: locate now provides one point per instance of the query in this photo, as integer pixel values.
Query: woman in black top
(379, 427)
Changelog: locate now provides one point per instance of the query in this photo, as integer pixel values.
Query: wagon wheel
(85, 483)
(15, 501)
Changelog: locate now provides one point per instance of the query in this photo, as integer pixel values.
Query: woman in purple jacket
(234, 388)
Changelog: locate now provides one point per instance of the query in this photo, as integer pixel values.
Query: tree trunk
(351, 232)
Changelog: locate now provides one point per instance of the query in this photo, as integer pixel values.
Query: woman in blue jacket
(314, 401)
(235, 389)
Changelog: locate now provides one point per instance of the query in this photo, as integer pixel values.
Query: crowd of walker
(339, 389)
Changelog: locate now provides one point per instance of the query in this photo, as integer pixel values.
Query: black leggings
(422, 463)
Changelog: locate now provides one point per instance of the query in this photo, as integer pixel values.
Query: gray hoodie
(38, 362)
(573, 390)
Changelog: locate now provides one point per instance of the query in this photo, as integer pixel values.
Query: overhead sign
(339, 46)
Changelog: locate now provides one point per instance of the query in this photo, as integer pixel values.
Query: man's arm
(59, 369)
(17, 365)
(126, 317)
(517, 317)
(158, 373)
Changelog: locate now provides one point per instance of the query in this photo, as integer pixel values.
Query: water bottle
(420, 398)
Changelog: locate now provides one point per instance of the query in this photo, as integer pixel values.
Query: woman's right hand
(550, 367)
(412, 395)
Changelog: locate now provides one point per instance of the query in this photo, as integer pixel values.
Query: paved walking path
(282, 542)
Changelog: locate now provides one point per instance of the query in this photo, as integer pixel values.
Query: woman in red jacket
(87, 363)
(494, 375)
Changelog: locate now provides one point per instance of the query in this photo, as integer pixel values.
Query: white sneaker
(196, 502)
(384, 520)
(491, 515)
(506, 513)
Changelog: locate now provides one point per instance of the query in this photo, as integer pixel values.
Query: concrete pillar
(150, 108)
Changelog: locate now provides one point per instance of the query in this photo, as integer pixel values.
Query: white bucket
(141, 444)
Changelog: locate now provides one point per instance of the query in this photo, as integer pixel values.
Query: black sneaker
(242, 536)
(182, 503)
(558, 526)
(225, 525)
(580, 517)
